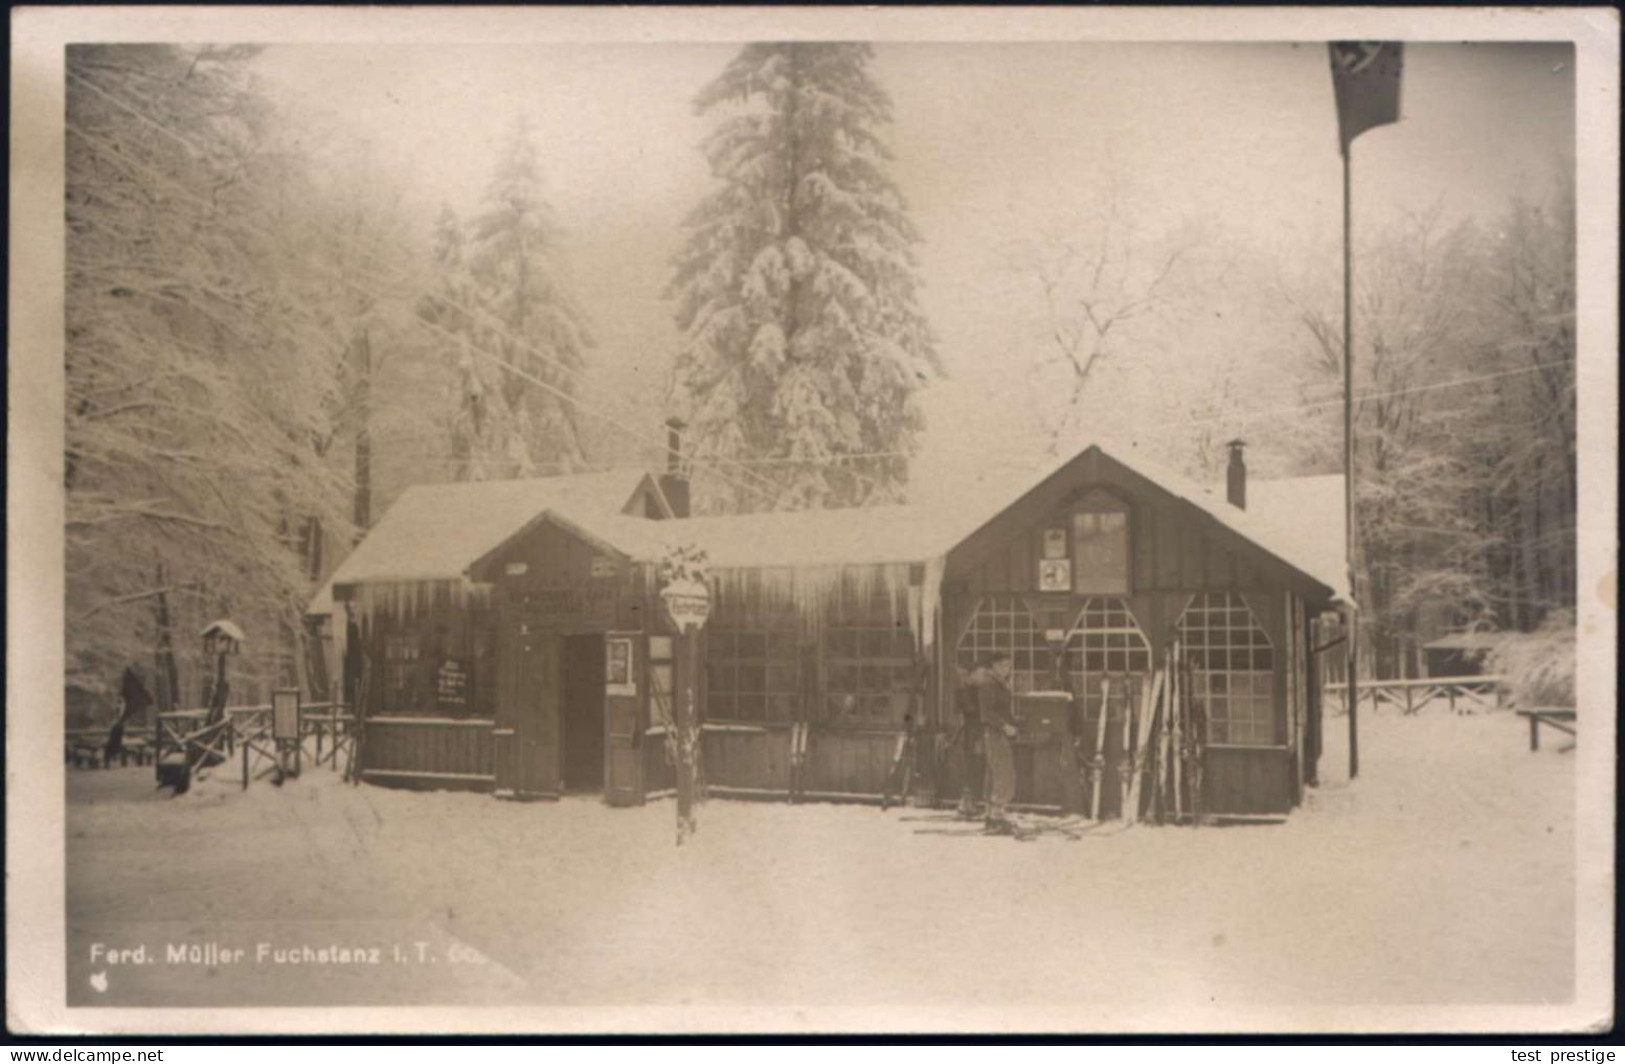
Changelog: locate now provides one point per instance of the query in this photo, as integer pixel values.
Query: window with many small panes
(870, 662)
(870, 675)
(1232, 669)
(1105, 645)
(402, 672)
(755, 674)
(1003, 624)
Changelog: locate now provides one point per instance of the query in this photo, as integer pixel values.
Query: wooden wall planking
(1247, 782)
(1193, 554)
(1169, 569)
(849, 763)
(755, 760)
(1023, 575)
(454, 749)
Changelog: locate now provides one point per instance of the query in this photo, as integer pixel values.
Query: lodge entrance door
(582, 713)
(528, 697)
(624, 688)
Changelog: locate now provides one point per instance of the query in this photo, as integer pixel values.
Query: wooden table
(1550, 717)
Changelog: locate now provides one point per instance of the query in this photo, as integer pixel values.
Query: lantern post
(221, 639)
(687, 598)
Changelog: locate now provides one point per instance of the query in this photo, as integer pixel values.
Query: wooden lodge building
(508, 636)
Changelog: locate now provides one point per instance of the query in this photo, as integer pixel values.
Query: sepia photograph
(796, 520)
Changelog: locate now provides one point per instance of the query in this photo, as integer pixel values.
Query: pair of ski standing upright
(1159, 770)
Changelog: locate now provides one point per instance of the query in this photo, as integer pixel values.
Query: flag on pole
(1365, 78)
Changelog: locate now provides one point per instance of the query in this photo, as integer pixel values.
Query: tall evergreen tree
(527, 317)
(802, 338)
(476, 430)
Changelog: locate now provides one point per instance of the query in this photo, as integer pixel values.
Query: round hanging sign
(688, 603)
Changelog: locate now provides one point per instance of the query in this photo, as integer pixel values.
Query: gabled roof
(438, 532)
(1300, 522)
(433, 531)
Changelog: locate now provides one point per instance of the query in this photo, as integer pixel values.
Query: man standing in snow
(133, 703)
(968, 741)
(998, 720)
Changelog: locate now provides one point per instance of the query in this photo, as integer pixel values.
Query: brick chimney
(674, 481)
(1235, 476)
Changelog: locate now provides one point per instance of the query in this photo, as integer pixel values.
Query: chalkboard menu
(451, 684)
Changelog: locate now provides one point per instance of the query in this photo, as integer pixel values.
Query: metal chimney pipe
(1235, 476)
(674, 444)
(674, 482)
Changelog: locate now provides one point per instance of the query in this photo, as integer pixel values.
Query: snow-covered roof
(1298, 520)
(871, 535)
(229, 629)
(433, 531)
(1306, 516)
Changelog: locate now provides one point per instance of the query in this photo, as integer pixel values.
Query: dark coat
(997, 705)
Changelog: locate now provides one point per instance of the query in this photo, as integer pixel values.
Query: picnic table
(1552, 717)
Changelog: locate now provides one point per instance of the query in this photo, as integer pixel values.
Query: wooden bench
(88, 749)
(1552, 718)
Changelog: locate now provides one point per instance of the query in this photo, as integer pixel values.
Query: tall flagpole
(1366, 84)
(1352, 684)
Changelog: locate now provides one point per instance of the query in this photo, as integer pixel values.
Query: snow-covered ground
(1443, 875)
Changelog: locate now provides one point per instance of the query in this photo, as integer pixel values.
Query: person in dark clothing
(133, 703)
(997, 705)
(968, 742)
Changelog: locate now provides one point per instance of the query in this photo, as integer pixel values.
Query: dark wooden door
(528, 693)
(625, 688)
(582, 713)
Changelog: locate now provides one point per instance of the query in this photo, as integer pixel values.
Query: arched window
(1232, 669)
(1003, 623)
(1100, 545)
(1104, 642)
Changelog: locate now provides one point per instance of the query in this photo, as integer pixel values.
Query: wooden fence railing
(1485, 692)
(184, 740)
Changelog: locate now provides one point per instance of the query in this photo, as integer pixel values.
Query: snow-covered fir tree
(526, 317)
(802, 337)
(474, 421)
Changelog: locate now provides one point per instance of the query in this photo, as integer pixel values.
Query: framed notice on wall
(618, 679)
(1054, 543)
(1054, 574)
(451, 684)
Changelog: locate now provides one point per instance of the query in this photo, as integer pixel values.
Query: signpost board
(285, 729)
(688, 604)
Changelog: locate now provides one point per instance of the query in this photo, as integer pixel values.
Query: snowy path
(1444, 875)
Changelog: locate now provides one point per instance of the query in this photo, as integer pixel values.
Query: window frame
(1032, 675)
(1242, 676)
(867, 653)
(1097, 502)
(1128, 646)
(726, 674)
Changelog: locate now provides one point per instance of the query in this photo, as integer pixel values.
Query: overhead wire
(759, 485)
